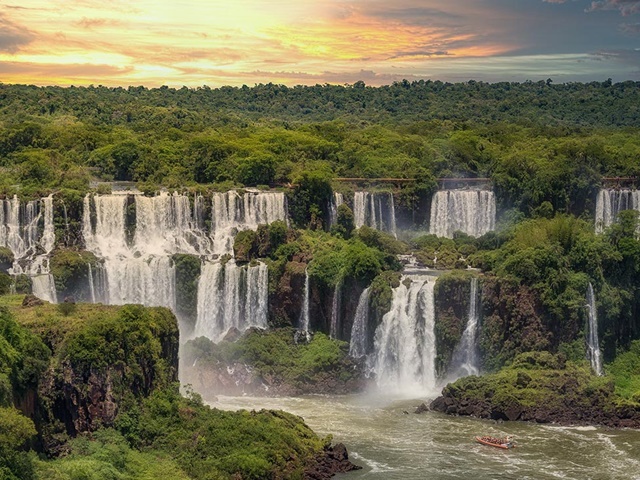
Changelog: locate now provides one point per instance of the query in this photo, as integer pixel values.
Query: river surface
(390, 444)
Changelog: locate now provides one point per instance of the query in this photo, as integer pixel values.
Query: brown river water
(391, 444)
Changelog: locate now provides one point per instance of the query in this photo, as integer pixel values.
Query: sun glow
(195, 41)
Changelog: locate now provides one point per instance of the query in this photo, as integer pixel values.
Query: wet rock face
(82, 405)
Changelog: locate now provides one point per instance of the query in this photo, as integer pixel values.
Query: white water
(335, 310)
(31, 246)
(404, 342)
(232, 212)
(610, 202)
(376, 210)
(337, 200)
(231, 296)
(470, 211)
(303, 323)
(360, 328)
(465, 358)
(140, 270)
(593, 346)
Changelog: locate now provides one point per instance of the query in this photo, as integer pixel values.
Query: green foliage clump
(451, 299)
(537, 386)
(308, 203)
(6, 259)
(276, 355)
(214, 444)
(625, 370)
(70, 270)
(381, 294)
(23, 359)
(15, 431)
(345, 223)
(106, 455)
(106, 341)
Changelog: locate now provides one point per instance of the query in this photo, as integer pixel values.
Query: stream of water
(391, 444)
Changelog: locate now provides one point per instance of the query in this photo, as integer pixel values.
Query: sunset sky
(215, 43)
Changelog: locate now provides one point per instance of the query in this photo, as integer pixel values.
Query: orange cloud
(195, 42)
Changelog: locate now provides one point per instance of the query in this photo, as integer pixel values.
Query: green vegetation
(625, 370)
(544, 146)
(70, 270)
(127, 419)
(537, 386)
(278, 358)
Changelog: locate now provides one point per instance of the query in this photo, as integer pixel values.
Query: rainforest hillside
(536, 141)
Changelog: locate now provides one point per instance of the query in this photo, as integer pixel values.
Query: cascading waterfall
(376, 210)
(337, 200)
(470, 211)
(593, 346)
(404, 342)
(303, 324)
(232, 212)
(465, 358)
(138, 268)
(20, 232)
(360, 328)
(164, 224)
(335, 310)
(610, 202)
(231, 296)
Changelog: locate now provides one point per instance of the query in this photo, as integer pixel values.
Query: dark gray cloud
(13, 36)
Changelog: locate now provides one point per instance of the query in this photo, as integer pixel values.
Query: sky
(306, 42)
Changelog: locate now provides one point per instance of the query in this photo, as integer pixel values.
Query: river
(390, 444)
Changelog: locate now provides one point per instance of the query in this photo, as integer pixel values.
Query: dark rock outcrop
(333, 460)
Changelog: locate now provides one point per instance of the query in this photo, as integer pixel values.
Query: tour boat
(505, 443)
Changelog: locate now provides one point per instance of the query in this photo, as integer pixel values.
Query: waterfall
(610, 202)
(303, 324)
(232, 212)
(143, 272)
(138, 267)
(336, 201)
(593, 347)
(230, 296)
(465, 359)
(360, 328)
(164, 225)
(376, 210)
(335, 310)
(20, 231)
(392, 219)
(404, 342)
(470, 211)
